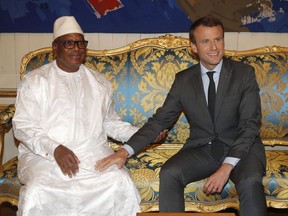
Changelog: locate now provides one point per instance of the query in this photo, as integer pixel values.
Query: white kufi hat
(66, 25)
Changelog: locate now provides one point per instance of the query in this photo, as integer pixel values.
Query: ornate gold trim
(196, 206)
(206, 208)
(3, 130)
(257, 51)
(276, 142)
(12, 201)
(168, 146)
(279, 204)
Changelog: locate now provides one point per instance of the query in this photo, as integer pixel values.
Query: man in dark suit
(221, 101)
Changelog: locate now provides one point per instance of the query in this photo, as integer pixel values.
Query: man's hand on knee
(118, 158)
(216, 182)
(67, 160)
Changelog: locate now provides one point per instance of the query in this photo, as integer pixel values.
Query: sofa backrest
(143, 72)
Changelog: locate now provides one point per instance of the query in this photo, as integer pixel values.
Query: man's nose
(213, 45)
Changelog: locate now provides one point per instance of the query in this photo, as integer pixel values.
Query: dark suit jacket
(237, 110)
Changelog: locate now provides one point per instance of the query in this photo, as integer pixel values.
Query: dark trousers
(193, 164)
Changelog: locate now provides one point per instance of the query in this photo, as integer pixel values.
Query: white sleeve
(231, 160)
(26, 123)
(115, 127)
(129, 149)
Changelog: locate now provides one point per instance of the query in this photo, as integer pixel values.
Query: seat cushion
(146, 166)
(145, 170)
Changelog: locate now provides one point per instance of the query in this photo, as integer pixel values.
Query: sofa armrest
(6, 116)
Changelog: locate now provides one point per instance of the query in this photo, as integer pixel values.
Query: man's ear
(193, 47)
(54, 46)
(54, 49)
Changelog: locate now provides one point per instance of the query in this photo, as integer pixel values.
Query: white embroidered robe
(76, 110)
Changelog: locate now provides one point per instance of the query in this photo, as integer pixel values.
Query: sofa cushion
(146, 166)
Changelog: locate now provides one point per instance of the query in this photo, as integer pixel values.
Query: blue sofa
(142, 73)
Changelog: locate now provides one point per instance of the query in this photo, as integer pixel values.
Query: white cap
(66, 25)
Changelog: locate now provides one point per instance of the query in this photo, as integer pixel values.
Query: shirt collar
(217, 69)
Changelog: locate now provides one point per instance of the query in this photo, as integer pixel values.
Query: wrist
(124, 152)
(227, 166)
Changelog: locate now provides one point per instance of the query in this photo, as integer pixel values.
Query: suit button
(216, 135)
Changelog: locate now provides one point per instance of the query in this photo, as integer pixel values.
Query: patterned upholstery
(142, 74)
(9, 183)
(272, 76)
(146, 166)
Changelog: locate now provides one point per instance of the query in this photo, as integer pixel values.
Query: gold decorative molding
(3, 129)
(166, 41)
(257, 51)
(206, 208)
(276, 142)
(12, 201)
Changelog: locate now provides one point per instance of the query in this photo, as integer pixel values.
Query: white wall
(13, 46)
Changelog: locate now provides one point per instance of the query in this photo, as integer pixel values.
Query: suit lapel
(224, 80)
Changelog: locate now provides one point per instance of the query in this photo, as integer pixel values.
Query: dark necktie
(216, 145)
(211, 94)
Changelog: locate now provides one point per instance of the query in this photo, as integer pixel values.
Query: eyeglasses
(69, 44)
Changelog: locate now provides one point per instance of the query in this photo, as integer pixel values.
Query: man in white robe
(64, 113)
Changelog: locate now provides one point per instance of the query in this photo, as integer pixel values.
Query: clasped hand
(120, 157)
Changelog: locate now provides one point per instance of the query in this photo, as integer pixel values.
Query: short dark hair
(207, 21)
